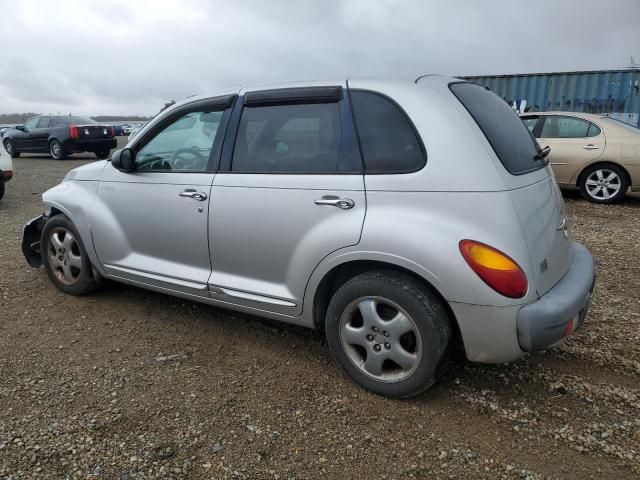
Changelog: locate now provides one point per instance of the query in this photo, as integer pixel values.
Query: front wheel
(65, 258)
(389, 333)
(57, 150)
(11, 149)
(603, 183)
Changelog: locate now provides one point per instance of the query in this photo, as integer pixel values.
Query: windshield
(622, 123)
(58, 121)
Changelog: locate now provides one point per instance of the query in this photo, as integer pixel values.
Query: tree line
(19, 118)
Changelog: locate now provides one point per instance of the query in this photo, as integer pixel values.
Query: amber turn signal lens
(495, 268)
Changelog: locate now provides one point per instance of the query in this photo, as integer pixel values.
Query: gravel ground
(127, 384)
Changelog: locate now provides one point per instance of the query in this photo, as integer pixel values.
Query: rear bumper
(562, 310)
(90, 145)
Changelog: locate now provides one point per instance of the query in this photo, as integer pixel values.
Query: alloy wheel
(56, 149)
(8, 146)
(64, 256)
(603, 184)
(381, 339)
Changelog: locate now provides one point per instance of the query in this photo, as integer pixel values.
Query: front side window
(304, 138)
(387, 138)
(29, 124)
(184, 145)
(557, 126)
(530, 122)
(44, 122)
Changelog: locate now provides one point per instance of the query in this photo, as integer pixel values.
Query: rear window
(61, 121)
(511, 140)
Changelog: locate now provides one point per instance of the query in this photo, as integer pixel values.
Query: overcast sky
(129, 57)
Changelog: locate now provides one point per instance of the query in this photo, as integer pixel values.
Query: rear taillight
(112, 132)
(495, 268)
(7, 173)
(73, 131)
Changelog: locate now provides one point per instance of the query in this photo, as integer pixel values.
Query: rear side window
(388, 140)
(298, 138)
(511, 140)
(557, 126)
(43, 122)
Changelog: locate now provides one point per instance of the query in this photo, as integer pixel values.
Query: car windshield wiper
(542, 153)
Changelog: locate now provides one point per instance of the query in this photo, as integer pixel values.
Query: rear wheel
(65, 258)
(11, 149)
(604, 183)
(388, 333)
(102, 154)
(57, 150)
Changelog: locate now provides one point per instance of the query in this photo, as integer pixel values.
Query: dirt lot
(126, 383)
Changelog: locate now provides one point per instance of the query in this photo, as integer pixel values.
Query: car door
(149, 225)
(22, 139)
(39, 136)
(574, 142)
(289, 192)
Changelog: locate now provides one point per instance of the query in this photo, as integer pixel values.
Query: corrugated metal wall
(614, 92)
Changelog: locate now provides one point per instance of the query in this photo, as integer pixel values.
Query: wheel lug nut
(387, 345)
(376, 347)
(370, 338)
(375, 329)
(385, 333)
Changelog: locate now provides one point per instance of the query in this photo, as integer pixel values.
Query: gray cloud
(131, 56)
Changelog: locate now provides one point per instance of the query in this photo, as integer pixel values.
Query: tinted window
(44, 122)
(31, 123)
(63, 121)
(293, 138)
(556, 126)
(511, 140)
(387, 138)
(184, 145)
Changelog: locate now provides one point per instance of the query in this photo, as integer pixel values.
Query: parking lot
(126, 383)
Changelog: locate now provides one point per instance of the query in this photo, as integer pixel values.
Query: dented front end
(31, 234)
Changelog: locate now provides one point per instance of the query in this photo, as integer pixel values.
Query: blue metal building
(611, 92)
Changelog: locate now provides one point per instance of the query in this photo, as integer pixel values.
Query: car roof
(398, 81)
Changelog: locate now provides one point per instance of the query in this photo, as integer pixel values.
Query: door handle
(190, 193)
(343, 203)
(590, 146)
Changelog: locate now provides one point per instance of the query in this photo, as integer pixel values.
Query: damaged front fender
(31, 233)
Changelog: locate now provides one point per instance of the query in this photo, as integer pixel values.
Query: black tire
(1, 190)
(607, 192)
(81, 280)
(56, 150)
(430, 320)
(11, 149)
(102, 154)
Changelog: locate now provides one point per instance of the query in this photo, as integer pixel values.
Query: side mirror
(21, 128)
(124, 160)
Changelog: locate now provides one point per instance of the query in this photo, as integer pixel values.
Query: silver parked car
(401, 217)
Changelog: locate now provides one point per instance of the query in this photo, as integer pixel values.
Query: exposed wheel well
(341, 274)
(602, 163)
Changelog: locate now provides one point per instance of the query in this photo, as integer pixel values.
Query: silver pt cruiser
(402, 217)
